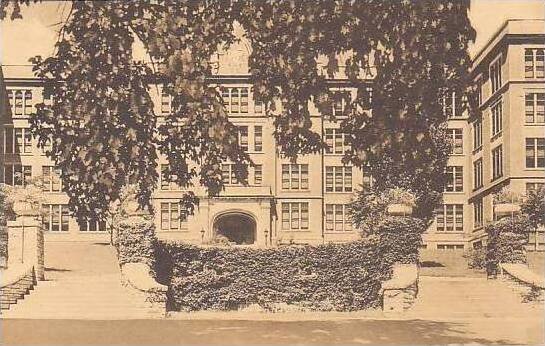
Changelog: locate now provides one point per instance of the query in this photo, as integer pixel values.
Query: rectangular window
(495, 74)
(457, 141)
(338, 178)
(336, 141)
(535, 152)
(533, 187)
(243, 137)
(20, 101)
(455, 179)
(9, 145)
(258, 106)
(450, 218)
(337, 218)
(497, 162)
(166, 103)
(258, 138)
(51, 179)
(173, 217)
(295, 215)
(478, 213)
(449, 101)
(235, 100)
(477, 135)
(534, 63)
(92, 225)
(258, 175)
(295, 176)
(16, 175)
(56, 217)
(16, 140)
(228, 174)
(496, 120)
(534, 108)
(338, 104)
(478, 174)
(450, 246)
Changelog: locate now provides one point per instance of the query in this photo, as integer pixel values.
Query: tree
(534, 206)
(105, 133)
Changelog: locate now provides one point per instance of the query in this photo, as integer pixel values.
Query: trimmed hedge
(135, 240)
(342, 277)
(506, 242)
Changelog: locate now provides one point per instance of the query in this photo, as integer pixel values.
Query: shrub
(341, 277)
(506, 241)
(135, 240)
(476, 258)
(369, 210)
(534, 207)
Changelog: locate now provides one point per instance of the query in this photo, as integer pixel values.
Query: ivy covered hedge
(506, 242)
(135, 240)
(341, 277)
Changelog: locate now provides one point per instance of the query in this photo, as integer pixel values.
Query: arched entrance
(239, 228)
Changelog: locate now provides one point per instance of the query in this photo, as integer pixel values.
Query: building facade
(306, 201)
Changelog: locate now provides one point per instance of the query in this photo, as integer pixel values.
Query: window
(258, 174)
(337, 218)
(294, 176)
(6, 141)
(478, 213)
(16, 140)
(173, 217)
(449, 102)
(367, 180)
(457, 141)
(455, 179)
(535, 152)
(477, 135)
(479, 86)
(534, 187)
(450, 246)
(450, 218)
(534, 63)
(478, 174)
(294, 215)
(496, 118)
(243, 137)
(258, 106)
(336, 141)
(338, 179)
(16, 175)
(20, 101)
(51, 179)
(369, 92)
(92, 225)
(339, 103)
(534, 108)
(228, 174)
(497, 162)
(258, 138)
(166, 103)
(56, 217)
(495, 74)
(235, 100)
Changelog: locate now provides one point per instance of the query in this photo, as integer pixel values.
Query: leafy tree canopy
(105, 133)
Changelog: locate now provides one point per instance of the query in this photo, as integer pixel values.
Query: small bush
(476, 258)
(506, 242)
(534, 207)
(135, 240)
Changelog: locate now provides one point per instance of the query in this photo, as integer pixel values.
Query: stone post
(26, 241)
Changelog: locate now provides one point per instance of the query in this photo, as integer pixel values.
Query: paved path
(82, 282)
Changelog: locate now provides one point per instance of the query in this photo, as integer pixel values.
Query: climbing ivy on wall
(105, 132)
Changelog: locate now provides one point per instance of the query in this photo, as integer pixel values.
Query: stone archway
(239, 228)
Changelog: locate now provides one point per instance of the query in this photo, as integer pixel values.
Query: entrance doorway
(238, 228)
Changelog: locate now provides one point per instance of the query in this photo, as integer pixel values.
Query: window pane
(295, 215)
(285, 216)
(304, 215)
(165, 218)
(329, 217)
(304, 177)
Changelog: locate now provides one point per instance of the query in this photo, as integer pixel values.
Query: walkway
(82, 282)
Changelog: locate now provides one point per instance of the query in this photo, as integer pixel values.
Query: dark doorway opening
(237, 228)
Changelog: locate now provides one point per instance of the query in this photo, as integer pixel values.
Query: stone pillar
(26, 241)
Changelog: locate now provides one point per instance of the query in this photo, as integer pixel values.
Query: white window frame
(331, 220)
(346, 182)
(180, 218)
(302, 223)
(534, 63)
(457, 215)
(456, 173)
(496, 81)
(295, 175)
(496, 119)
(497, 162)
(536, 148)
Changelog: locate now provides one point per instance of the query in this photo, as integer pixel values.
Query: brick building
(305, 202)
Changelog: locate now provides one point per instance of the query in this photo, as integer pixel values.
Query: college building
(306, 201)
